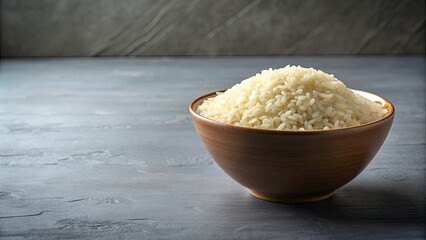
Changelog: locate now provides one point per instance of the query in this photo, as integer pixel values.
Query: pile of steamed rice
(291, 98)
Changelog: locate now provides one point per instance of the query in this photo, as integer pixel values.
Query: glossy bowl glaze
(292, 166)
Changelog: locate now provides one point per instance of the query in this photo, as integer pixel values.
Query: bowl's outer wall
(292, 165)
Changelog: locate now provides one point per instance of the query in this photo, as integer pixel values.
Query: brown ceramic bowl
(292, 166)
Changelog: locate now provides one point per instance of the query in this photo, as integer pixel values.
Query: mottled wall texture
(211, 27)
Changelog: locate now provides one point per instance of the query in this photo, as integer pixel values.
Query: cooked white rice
(291, 98)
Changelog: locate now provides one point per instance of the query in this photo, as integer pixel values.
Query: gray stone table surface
(105, 149)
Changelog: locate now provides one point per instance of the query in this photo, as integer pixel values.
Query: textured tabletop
(105, 148)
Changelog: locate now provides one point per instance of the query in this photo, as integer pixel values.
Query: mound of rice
(291, 98)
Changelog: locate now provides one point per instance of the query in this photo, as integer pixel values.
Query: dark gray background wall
(211, 27)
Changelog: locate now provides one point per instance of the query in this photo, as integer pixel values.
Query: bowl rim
(388, 104)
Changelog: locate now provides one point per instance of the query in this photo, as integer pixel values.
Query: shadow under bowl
(292, 166)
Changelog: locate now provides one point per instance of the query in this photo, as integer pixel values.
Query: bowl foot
(289, 199)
